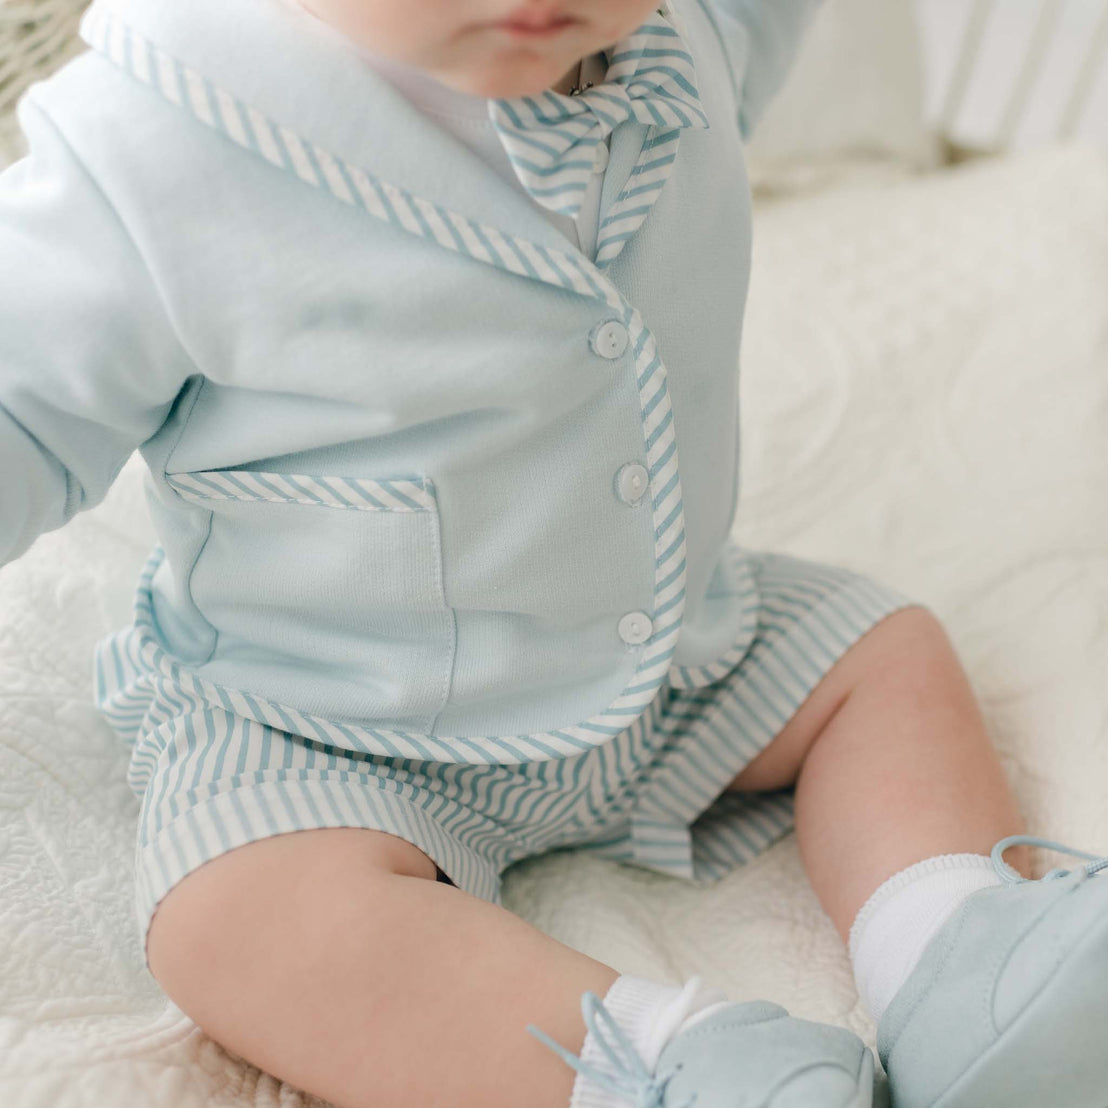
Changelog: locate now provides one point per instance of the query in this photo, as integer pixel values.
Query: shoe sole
(1035, 1054)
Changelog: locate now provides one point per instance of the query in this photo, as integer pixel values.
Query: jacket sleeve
(89, 365)
(761, 39)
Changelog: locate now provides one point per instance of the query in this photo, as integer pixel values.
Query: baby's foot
(1008, 1006)
(750, 1055)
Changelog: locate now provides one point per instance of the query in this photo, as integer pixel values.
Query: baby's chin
(505, 82)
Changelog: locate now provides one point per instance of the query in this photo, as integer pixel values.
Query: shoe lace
(631, 1079)
(1010, 876)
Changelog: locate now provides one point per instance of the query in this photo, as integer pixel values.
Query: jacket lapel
(223, 62)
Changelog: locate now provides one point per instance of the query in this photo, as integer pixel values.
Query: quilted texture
(926, 399)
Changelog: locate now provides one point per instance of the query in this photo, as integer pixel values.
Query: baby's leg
(333, 959)
(892, 764)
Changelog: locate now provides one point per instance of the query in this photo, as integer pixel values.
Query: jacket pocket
(326, 592)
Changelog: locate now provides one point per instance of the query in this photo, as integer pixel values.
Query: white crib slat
(1095, 60)
(1049, 15)
(964, 66)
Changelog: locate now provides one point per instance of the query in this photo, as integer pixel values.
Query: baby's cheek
(382, 26)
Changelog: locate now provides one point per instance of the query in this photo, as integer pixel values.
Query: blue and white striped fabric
(415, 494)
(655, 795)
(551, 139)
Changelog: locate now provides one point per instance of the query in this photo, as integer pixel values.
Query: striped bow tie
(551, 139)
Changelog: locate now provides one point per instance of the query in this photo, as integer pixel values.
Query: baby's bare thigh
(248, 905)
(333, 960)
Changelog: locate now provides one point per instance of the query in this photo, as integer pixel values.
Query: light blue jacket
(398, 427)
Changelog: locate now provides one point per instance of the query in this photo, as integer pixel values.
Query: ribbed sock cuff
(909, 875)
(899, 921)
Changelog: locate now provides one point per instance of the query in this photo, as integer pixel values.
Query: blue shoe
(752, 1055)
(1008, 1006)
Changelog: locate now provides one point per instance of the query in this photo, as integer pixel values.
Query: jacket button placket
(609, 340)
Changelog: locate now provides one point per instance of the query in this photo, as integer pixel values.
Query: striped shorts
(655, 795)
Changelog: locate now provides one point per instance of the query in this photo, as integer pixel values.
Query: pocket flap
(397, 494)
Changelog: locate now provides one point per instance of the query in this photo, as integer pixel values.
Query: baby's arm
(89, 366)
(761, 38)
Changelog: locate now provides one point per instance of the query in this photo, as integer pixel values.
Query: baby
(425, 318)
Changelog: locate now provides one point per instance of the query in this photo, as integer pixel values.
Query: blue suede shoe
(1008, 1006)
(752, 1055)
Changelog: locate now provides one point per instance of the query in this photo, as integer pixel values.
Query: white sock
(904, 914)
(651, 1014)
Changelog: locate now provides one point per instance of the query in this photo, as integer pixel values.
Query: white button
(600, 158)
(635, 628)
(631, 482)
(609, 340)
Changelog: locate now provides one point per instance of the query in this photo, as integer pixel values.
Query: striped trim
(551, 138)
(741, 582)
(250, 129)
(399, 494)
(643, 187)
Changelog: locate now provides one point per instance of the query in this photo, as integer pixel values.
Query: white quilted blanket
(926, 399)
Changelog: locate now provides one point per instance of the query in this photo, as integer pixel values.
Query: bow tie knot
(551, 139)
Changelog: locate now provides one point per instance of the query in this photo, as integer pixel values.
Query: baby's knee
(911, 648)
(915, 628)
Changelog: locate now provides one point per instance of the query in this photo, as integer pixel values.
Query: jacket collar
(331, 96)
